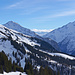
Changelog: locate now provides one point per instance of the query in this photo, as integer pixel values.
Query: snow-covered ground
(13, 73)
(8, 48)
(16, 35)
(60, 55)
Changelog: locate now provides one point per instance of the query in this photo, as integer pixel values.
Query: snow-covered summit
(61, 33)
(65, 36)
(19, 28)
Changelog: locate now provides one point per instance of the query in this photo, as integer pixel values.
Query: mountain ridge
(66, 33)
(19, 28)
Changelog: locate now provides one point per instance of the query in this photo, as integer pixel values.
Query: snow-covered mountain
(19, 28)
(65, 37)
(13, 42)
(41, 32)
(22, 47)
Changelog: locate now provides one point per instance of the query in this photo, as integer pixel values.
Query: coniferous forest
(7, 66)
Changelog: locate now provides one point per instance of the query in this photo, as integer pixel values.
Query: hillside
(15, 26)
(65, 37)
(23, 48)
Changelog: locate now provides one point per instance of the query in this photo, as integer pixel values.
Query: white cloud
(44, 30)
(25, 4)
(66, 13)
(49, 17)
(15, 5)
(28, 6)
(33, 10)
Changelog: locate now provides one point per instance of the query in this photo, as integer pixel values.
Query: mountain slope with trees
(23, 49)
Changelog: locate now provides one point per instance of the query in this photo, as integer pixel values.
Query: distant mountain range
(41, 33)
(65, 37)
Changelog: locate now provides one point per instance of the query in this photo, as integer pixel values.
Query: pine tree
(1, 69)
(20, 74)
(19, 64)
(50, 71)
(36, 71)
(28, 69)
(58, 73)
(14, 67)
(10, 65)
(41, 71)
(13, 53)
(46, 72)
(7, 66)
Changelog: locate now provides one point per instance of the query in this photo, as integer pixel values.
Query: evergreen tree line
(42, 71)
(7, 65)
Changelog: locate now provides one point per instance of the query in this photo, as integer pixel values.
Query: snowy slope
(60, 55)
(9, 42)
(12, 41)
(13, 73)
(20, 47)
(5, 32)
(6, 35)
(65, 37)
(19, 28)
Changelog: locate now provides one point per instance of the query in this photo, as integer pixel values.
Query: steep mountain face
(65, 37)
(52, 42)
(17, 27)
(49, 40)
(22, 48)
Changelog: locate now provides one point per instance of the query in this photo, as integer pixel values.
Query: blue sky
(38, 14)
